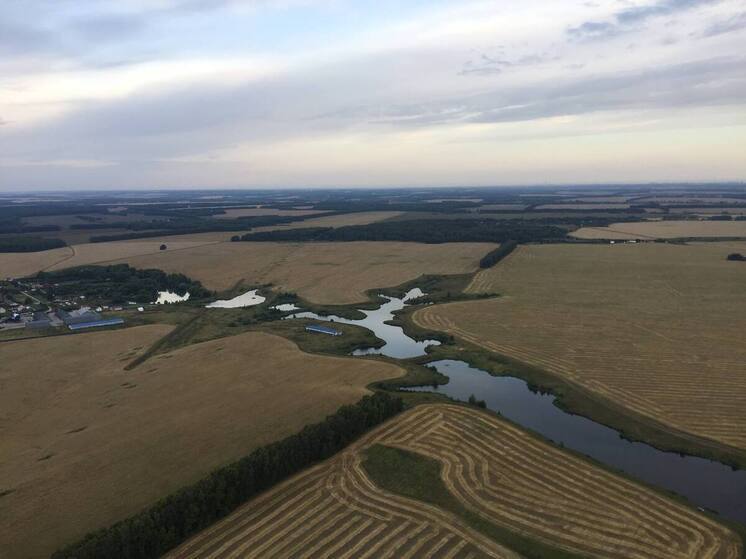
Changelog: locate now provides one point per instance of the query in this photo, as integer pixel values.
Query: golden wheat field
(324, 273)
(663, 230)
(656, 328)
(84, 443)
(495, 469)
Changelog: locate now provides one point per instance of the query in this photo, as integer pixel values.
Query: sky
(99, 94)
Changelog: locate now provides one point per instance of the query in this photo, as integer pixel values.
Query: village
(30, 305)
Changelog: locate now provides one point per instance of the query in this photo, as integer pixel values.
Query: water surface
(704, 482)
(248, 299)
(165, 297)
(398, 344)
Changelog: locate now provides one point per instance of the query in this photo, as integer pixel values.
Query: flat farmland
(496, 470)
(341, 220)
(663, 230)
(655, 328)
(20, 264)
(84, 443)
(324, 273)
(585, 206)
(232, 213)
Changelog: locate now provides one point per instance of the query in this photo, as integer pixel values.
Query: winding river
(705, 483)
(398, 344)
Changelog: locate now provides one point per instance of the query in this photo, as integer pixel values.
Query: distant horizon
(625, 185)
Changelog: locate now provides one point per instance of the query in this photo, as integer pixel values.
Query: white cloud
(215, 107)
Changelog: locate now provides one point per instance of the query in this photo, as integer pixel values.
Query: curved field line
(500, 472)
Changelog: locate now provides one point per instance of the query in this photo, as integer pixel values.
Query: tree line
(156, 530)
(189, 225)
(20, 243)
(118, 283)
(494, 256)
(421, 231)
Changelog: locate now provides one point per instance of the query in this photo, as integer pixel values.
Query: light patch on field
(85, 443)
(233, 213)
(663, 230)
(656, 328)
(583, 207)
(357, 218)
(710, 211)
(324, 273)
(495, 469)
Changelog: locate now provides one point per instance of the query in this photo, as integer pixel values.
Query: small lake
(398, 344)
(285, 307)
(248, 299)
(166, 297)
(705, 483)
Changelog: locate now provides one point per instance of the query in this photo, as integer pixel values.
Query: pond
(248, 299)
(398, 344)
(705, 483)
(165, 297)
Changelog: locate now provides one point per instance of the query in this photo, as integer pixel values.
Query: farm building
(96, 323)
(40, 320)
(78, 316)
(323, 330)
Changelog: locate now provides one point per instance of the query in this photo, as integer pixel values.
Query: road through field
(495, 469)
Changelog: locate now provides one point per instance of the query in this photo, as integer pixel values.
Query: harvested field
(358, 218)
(232, 213)
(28, 263)
(324, 273)
(663, 230)
(710, 211)
(688, 199)
(501, 207)
(655, 328)
(502, 473)
(619, 199)
(588, 206)
(85, 443)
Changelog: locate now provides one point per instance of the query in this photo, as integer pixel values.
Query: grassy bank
(418, 477)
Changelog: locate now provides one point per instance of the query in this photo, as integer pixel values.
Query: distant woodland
(421, 231)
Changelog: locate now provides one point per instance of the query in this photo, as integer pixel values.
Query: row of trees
(189, 225)
(119, 283)
(494, 256)
(172, 520)
(421, 231)
(29, 244)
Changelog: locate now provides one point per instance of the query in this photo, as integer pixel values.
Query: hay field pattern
(493, 468)
(80, 434)
(656, 328)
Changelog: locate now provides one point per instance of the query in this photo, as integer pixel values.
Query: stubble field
(341, 220)
(663, 230)
(655, 328)
(84, 443)
(500, 472)
(323, 273)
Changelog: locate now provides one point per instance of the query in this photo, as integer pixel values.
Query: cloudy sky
(222, 93)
